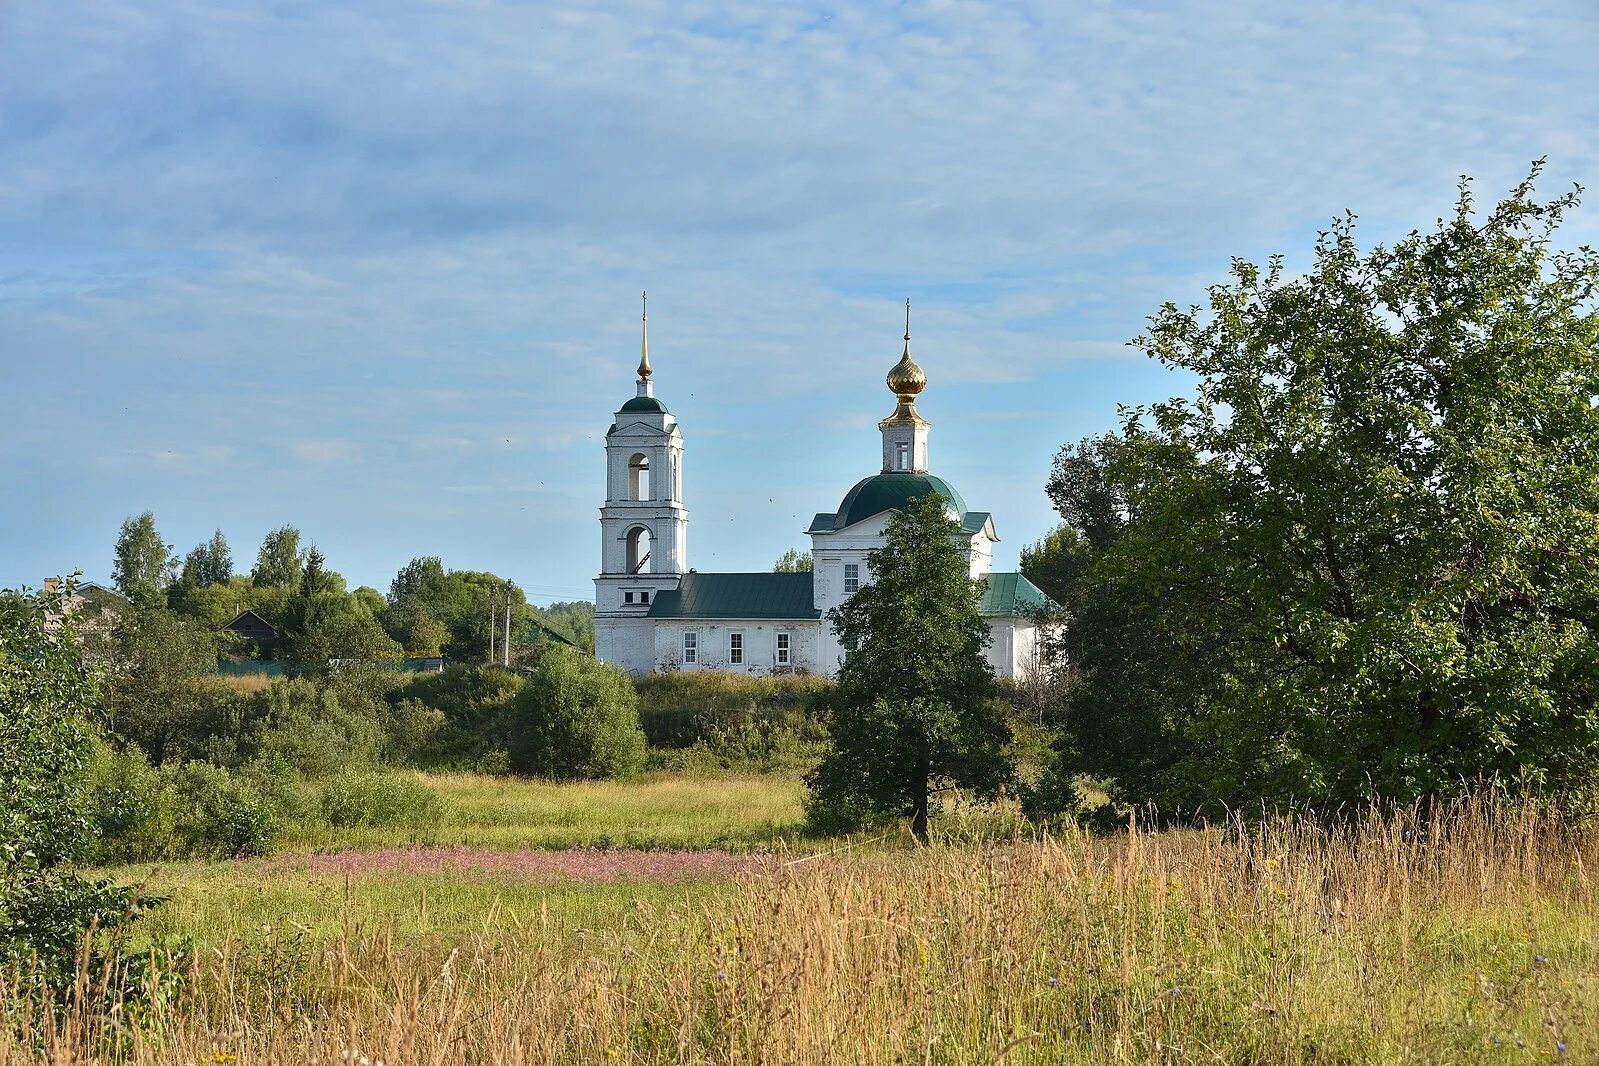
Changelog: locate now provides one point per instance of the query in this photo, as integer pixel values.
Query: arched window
(638, 477)
(638, 550)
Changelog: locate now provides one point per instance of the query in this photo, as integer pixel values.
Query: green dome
(644, 403)
(891, 492)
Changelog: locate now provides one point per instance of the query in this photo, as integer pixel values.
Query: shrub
(726, 720)
(218, 815)
(311, 730)
(130, 806)
(359, 798)
(47, 692)
(576, 717)
(475, 707)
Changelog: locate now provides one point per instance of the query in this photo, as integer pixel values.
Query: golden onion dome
(906, 381)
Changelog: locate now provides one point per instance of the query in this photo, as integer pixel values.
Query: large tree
(143, 563)
(207, 564)
(912, 712)
(1360, 563)
(279, 561)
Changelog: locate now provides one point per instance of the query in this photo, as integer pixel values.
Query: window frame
(784, 649)
(735, 647)
(902, 455)
(850, 578)
(691, 647)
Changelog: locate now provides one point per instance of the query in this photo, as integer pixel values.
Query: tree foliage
(48, 694)
(913, 709)
(1360, 562)
(794, 561)
(154, 696)
(210, 563)
(279, 562)
(576, 717)
(143, 564)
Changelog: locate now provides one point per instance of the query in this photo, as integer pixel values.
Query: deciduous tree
(1360, 562)
(144, 564)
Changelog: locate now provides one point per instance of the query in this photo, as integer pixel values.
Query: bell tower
(643, 524)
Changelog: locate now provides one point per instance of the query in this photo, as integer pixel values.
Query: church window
(638, 477)
(644, 597)
(691, 648)
(627, 597)
(902, 455)
(782, 649)
(852, 578)
(735, 648)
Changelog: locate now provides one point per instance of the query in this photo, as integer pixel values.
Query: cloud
(323, 451)
(396, 234)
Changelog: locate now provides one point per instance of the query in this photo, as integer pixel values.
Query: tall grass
(1466, 937)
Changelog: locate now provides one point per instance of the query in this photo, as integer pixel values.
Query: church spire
(906, 381)
(644, 342)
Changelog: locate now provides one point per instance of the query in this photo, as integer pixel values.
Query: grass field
(1473, 940)
(727, 812)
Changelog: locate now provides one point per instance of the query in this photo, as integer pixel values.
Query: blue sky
(373, 268)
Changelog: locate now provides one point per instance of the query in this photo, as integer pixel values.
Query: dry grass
(1472, 941)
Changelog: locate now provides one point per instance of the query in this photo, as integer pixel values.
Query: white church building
(653, 612)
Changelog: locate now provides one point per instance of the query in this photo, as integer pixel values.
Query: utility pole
(491, 625)
(507, 642)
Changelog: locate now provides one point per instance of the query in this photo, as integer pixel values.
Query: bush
(475, 708)
(130, 806)
(218, 815)
(727, 721)
(577, 717)
(357, 798)
(311, 730)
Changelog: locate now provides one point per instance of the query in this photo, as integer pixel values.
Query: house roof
(251, 614)
(738, 596)
(1011, 595)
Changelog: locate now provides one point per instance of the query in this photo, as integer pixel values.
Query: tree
(345, 633)
(573, 619)
(156, 698)
(207, 564)
(793, 561)
(49, 692)
(912, 710)
(1359, 563)
(424, 636)
(576, 717)
(144, 564)
(279, 561)
(416, 576)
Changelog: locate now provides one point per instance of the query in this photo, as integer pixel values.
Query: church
(652, 612)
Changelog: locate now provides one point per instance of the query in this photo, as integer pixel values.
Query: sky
(373, 268)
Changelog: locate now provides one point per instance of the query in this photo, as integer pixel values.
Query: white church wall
(625, 642)
(714, 645)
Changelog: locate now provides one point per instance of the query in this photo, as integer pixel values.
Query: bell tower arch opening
(638, 550)
(638, 477)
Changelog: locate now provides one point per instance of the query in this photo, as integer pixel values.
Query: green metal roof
(644, 403)
(738, 596)
(1009, 595)
(888, 492)
(974, 521)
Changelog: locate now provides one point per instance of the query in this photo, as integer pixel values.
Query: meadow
(1469, 936)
